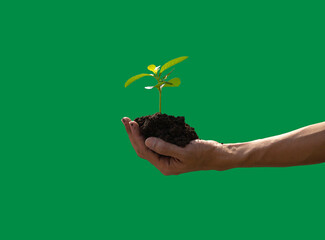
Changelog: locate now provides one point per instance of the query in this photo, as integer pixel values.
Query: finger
(126, 122)
(135, 130)
(138, 138)
(142, 149)
(164, 148)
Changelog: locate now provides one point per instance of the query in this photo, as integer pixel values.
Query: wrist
(228, 156)
(239, 153)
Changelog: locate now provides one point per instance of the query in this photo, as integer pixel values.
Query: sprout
(161, 81)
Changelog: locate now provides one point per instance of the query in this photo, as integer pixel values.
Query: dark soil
(169, 128)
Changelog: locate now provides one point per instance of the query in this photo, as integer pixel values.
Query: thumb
(164, 148)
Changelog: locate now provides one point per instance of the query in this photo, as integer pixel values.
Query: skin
(303, 146)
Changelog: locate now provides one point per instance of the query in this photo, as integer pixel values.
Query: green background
(255, 69)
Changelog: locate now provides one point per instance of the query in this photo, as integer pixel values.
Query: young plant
(161, 81)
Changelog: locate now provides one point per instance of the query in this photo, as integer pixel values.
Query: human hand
(171, 159)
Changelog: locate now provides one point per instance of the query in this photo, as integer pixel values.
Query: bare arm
(300, 147)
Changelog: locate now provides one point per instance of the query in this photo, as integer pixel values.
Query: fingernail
(132, 124)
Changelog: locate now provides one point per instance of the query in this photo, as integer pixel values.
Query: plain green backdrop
(67, 169)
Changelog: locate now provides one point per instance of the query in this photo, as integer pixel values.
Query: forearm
(300, 147)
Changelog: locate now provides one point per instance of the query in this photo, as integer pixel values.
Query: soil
(169, 128)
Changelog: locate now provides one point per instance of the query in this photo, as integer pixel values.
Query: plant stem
(159, 100)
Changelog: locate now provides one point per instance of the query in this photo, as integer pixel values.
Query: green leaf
(153, 68)
(175, 82)
(136, 77)
(172, 63)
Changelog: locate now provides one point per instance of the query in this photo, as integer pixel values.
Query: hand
(197, 155)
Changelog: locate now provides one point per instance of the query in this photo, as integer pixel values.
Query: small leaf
(136, 77)
(172, 63)
(151, 68)
(175, 82)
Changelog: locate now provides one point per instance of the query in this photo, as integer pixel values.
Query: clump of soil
(169, 128)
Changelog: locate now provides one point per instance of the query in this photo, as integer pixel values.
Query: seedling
(161, 81)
